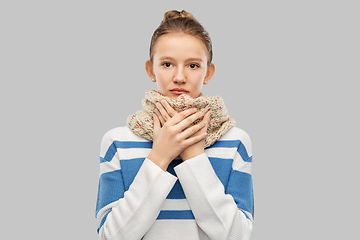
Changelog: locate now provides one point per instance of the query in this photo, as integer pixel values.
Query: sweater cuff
(214, 211)
(200, 169)
(150, 171)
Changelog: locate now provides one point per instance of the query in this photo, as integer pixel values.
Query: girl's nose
(180, 76)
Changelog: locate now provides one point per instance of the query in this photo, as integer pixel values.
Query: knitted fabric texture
(142, 122)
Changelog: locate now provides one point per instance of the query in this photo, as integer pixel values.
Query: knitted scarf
(142, 122)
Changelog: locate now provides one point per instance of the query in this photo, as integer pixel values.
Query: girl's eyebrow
(194, 59)
(165, 58)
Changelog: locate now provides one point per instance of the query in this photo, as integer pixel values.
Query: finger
(156, 123)
(194, 139)
(189, 120)
(160, 117)
(168, 108)
(205, 122)
(194, 130)
(182, 115)
(163, 112)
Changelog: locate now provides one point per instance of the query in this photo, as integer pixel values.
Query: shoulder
(118, 134)
(121, 134)
(236, 133)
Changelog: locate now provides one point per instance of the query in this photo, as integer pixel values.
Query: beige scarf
(142, 122)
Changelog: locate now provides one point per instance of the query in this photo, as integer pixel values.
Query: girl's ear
(209, 74)
(150, 71)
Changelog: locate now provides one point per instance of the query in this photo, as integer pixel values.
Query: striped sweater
(209, 196)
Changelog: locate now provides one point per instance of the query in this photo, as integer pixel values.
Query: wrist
(191, 153)
(158, 160)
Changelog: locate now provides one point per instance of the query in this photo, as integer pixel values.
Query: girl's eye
(167, 64)
(194, 66)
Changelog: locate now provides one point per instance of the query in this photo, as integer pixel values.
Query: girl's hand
(197, 148)
(174, 136)
(165, 112)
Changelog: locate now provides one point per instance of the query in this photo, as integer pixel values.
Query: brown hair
(175, 21)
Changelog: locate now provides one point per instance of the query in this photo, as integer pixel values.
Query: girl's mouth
(178, 91)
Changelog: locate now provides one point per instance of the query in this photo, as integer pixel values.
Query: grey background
(287, 70)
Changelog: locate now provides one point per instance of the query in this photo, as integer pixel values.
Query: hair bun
(176, 14)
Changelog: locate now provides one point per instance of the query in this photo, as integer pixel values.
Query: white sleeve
(215, 212)
(131, 216)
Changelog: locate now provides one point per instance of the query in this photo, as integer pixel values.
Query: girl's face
(179, 65)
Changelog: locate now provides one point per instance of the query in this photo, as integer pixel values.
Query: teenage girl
(180, 169)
